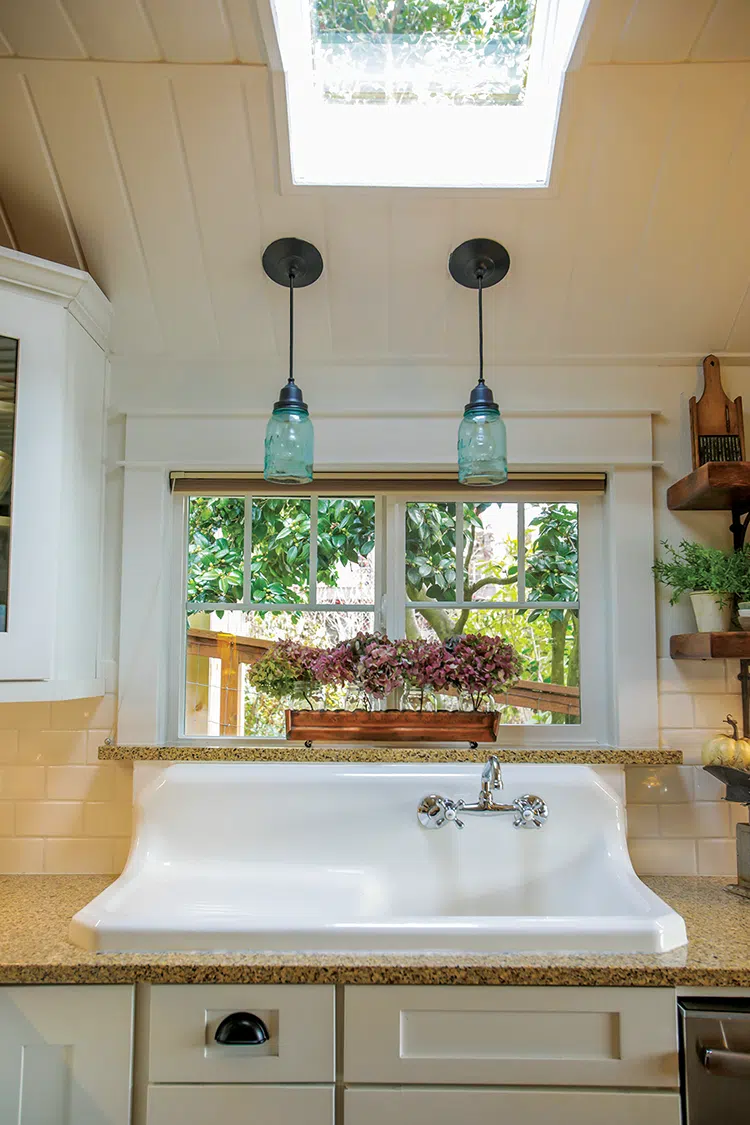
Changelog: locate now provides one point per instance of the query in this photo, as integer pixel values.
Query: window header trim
(226, 483)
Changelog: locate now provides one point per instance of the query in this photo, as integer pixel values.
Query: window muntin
(452, 566)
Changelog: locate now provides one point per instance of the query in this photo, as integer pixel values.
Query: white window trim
(618, 443)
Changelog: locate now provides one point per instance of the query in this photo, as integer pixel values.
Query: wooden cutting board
(717, 426)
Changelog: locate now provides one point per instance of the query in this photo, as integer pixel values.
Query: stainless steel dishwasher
(715, 1061)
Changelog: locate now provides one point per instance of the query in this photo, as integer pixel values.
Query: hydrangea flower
(480, 667)
(286, 671)
(473, 667)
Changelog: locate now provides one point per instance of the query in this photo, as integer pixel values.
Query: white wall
(61, 810)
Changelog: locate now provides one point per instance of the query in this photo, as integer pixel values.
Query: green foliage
(346, 533)
(552, 575)
(275, 676)
(552, 563)
(280, 559)
(464, 51)
(216, 549)
(693, 568)
(506, 21)
(279, 566)
(430, 552)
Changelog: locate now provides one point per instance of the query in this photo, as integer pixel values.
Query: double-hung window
(324, 565)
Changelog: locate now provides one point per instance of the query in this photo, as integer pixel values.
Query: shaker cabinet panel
(511, 1036)
(65, 1054)
(241, 1105)
(446, 1106)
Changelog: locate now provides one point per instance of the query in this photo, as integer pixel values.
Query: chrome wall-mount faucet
(528, 811)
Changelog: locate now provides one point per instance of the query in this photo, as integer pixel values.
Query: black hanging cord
(292, 274)
(480, 275)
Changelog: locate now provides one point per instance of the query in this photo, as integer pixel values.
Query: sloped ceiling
(137, 140)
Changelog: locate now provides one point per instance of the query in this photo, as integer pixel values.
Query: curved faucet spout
(492, 778)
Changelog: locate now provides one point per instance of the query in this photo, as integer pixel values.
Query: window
(406, 92)
(319, 569)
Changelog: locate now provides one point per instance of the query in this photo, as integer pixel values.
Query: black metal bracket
(736, 781)
(744, 678)
(308, 744)
(739, 524)
(473, 745)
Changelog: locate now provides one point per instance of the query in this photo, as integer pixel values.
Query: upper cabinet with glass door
(54, 327)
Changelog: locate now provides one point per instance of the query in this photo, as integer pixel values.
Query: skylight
(453, 93)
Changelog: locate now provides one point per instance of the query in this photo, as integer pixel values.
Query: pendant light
(289, 434)
(482, 458)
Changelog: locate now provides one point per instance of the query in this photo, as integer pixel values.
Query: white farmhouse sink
(239, 856)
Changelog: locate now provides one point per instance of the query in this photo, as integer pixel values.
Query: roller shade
(343, 484)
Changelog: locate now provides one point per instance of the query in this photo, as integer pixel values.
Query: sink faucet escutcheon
(529, 811)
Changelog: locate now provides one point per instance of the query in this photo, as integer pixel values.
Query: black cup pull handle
(242, 1028)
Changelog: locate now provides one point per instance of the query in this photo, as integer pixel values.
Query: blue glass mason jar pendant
(288, 452)
(289, 439)
(482, 457)
(482, 449)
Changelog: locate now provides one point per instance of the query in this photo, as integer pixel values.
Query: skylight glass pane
(421, 52)
(407, 92)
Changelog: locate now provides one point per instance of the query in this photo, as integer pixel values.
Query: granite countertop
(587, 756)
(35, 911)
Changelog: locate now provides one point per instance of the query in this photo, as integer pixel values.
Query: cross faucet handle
(531, 811)
(434, 811)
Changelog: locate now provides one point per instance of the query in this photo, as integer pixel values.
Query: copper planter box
(398, 726)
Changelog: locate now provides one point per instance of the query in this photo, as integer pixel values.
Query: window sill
(290, 752)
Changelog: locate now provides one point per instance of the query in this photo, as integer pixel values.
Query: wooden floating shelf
(714, 487)
(710, 646)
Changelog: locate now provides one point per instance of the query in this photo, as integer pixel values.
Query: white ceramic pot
(710, 617)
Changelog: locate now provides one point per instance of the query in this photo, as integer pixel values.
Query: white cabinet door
(242, 1105)
(65, 1054)
(448, 1106)
(51, 517)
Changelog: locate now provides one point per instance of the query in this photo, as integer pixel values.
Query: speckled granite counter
(35, 911)
(600, 756)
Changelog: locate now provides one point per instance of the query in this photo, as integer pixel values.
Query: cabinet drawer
(183, 1020)
(242, 1105)
(479, 1107)
(511, 1036)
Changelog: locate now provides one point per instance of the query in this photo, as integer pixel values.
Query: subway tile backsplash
(63, 811)
(678, 823)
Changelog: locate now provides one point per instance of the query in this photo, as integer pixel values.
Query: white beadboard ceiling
(123, 152)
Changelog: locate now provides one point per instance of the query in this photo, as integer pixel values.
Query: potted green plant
(712, 578)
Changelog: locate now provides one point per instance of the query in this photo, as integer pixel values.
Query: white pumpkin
(727, 750)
